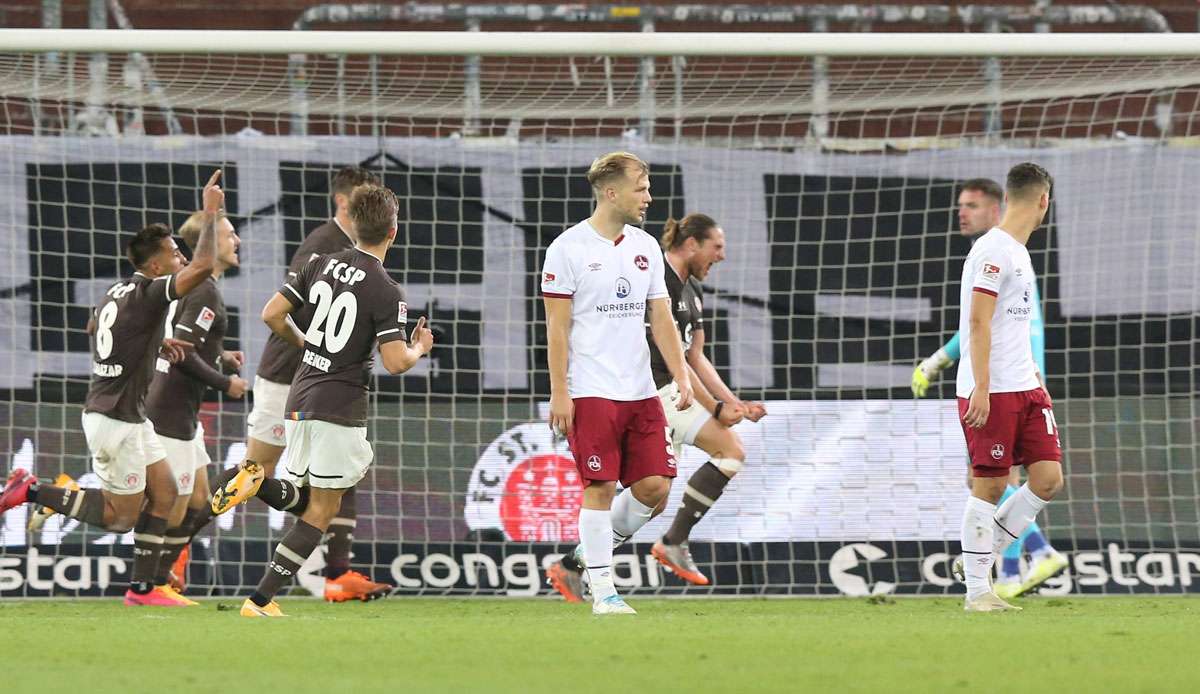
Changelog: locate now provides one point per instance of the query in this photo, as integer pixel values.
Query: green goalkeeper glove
(928, 371)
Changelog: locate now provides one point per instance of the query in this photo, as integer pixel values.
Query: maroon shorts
(626, 441)
(1020, 430)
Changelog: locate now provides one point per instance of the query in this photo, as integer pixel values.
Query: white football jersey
(999, 265)
(609, 284)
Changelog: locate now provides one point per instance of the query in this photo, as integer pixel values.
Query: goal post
(832, 161)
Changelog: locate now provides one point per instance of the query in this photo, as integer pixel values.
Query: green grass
(436, 645)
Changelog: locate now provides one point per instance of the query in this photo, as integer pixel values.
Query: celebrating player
(599, 279)
(691, 247)
(978, 211)
(1005, 413)
(349, 304)
(265, 439)
(126, 453)
(177, 392)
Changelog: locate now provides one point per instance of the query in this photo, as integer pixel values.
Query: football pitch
(496, 645)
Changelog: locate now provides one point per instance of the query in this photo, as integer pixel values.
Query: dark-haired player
(177, 393)
(979, 208)
(126, 453)
(1006, 415)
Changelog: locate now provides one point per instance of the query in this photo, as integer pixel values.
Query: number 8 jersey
(348, 303)
(126, 337)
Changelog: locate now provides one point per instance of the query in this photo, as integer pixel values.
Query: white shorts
(265, 422)
(121, 451)
(684, 424)
(326, 455)
(185, 457)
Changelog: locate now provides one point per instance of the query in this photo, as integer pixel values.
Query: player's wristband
(717, 410)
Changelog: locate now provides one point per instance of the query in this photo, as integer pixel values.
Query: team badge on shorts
(593, 463)
(185, 479)
(132, 479)
(278, 431)
(998, 451)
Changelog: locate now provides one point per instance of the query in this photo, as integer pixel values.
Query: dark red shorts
(1020, 430)
(627, 441)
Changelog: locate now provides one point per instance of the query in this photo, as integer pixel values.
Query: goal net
(835, 178)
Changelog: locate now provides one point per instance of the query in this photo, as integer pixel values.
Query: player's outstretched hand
(237, 387)
(920, 383)
(978, 409)
(174, 350)
(422, 337)
(732, 413)
(233, 360)
(754, 410)
(562, 414)
(685, 395)
(213, 196)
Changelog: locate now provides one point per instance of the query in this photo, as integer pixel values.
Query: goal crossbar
(727, 44)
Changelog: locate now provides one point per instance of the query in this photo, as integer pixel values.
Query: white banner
(815, 470)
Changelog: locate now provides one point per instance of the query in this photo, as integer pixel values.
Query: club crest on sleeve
(206, 318)
(990, 270)
(402, 315)
(642, 262)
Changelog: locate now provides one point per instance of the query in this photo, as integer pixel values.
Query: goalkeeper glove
(928, 371)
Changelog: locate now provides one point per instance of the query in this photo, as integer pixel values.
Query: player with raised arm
(1006, 415)
(979, 203)
(691, 247)
(349, 304)
(126, 453)
(265, 436)
(177, 393)
(599, 279)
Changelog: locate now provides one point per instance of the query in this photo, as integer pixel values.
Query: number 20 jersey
(348, 303)
(125, 342)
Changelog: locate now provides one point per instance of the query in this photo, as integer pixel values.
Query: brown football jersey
(349, 304)
(177, 391)
(279, 359)
(128, 335)
(686, 309)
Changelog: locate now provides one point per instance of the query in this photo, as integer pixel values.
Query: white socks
(976, 538)
(595, 537)
(1014, 516)
(987, 531)
(628, 516)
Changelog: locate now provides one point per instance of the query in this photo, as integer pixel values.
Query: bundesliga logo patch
(206, 317)
(990, 270)
(547, 276)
